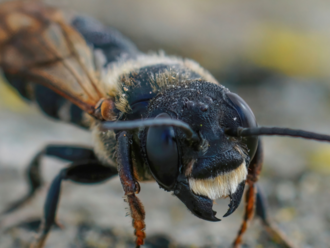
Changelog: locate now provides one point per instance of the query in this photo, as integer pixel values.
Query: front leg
(130, 186)
(253, 175)
(255, 202)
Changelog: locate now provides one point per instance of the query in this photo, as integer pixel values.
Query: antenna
(257, 131)
(161, 122)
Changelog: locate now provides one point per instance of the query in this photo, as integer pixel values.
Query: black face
(193, 172)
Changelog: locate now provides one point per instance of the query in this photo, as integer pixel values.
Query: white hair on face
(220, 186)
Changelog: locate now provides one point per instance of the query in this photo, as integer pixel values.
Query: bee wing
(37, 44)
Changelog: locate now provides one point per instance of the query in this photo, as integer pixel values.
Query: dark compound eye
(162, 152)
(247, 120)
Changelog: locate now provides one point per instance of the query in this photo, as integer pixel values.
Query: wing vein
(82, 64)
(67, 66)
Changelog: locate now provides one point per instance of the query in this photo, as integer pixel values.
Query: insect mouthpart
(220, 186)
(226, 184)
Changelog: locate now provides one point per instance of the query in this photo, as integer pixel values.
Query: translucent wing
(37, 43)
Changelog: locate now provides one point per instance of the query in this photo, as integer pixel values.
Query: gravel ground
(296, 172)
(295, 181)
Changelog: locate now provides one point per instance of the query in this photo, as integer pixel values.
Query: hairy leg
(130, 186)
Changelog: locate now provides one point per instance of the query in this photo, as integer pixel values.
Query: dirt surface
(295, 178)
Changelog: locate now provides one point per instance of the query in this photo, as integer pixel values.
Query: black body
(205, 106)
(162, 153)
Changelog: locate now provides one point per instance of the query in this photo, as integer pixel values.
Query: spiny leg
(65, 152)
(130, 186)
(88, 171)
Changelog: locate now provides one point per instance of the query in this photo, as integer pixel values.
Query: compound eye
(162, 152)
(247, 120)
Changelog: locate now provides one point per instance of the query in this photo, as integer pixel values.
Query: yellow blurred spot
(319, 160)
(286, 214)
(9, 98)
(291, 51)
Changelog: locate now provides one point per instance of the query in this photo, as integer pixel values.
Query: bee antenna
(256, 131)
(161, 122)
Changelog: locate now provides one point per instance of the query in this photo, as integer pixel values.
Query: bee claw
(200, 206)
(235, 199)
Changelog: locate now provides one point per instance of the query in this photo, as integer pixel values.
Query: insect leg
(249, 212)
(255, 202)
(87, 171)
(252, 178)
(273, 231)
(70, 153)
(130, 186)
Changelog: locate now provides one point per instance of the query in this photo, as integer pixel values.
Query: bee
(153, 117)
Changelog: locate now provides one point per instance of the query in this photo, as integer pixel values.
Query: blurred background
(274, 54)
